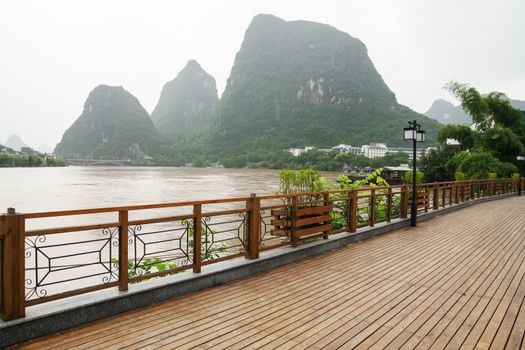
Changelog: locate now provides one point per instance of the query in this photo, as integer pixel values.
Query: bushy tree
(434, 164)
(478, 165)
(463, 134)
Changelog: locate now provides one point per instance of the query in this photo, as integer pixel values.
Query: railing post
(293, 220)
(123, 250)
(435, 197)
(389, 205)
(372, 207)
(326, 203)
(456, 193)
(353, 212)
(254, 206)
(197, 238)
(404, 202)
(12, 232)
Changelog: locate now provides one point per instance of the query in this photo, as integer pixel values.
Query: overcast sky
(53, 53)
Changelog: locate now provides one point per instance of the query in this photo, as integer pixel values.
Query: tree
(463, 134)
(433, 164)
(478, 165)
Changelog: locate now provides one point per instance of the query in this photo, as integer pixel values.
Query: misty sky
(53, 53)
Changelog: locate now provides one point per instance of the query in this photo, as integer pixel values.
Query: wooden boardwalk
(456, 281)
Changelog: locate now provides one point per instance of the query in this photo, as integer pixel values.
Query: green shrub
(420, 177)
(459, 176)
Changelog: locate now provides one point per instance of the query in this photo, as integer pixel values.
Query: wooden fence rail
(41, 265)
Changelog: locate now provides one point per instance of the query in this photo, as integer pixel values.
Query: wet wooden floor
(456, 281)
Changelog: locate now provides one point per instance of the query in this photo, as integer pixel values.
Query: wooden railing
(94, 249)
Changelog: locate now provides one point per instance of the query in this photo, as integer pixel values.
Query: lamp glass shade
(520, 157)
(420, 136)
(410, 133)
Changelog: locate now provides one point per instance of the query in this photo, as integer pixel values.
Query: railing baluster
(123, 250)
(293, 236)
(372, 207)
(254, 205)
(197, 238)
(389, 205)
(435, 197)
(326, 203)
(12, 232)
(404, 202)
(353, 211)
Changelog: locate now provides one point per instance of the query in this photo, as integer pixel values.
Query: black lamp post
(520, 159)
(414, 133)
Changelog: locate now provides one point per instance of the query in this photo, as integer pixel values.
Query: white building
(407, 150)
(347, 149)
(374, 150)
(296, 152)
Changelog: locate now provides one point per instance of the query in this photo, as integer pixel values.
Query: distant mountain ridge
(303, 83)
(445, 112)
(187, 103)
(113, 125)
(15, 142)
(293, 84)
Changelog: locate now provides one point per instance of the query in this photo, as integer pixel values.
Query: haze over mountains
(15, 142)
(112, 125)
(293, 84)
(445, 112)
(187, 103)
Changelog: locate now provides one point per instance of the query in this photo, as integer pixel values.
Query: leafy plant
(420, 177)
(460, 176)
(206, 236)
(340, 207)
(157, 264)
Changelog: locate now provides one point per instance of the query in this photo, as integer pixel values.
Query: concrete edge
(63, 314)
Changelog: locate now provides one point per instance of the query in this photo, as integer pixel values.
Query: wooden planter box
(423, 200)
(302, 222)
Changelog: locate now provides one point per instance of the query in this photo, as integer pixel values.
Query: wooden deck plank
(456, 280)
(515, 339)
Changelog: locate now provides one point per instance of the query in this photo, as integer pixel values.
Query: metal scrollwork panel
(157, 247)
(224, 235)
(58, 263)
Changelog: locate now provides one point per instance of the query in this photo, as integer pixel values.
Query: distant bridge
(89, 162)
